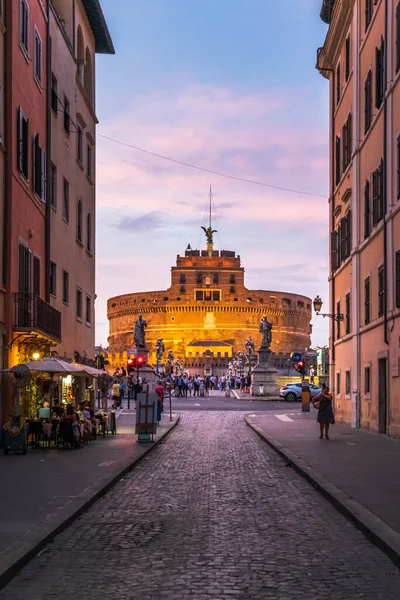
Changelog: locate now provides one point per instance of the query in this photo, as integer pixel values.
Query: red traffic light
(140, 360)
(300, 363)
(131, 361)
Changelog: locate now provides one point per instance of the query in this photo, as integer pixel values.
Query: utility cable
(205, 170)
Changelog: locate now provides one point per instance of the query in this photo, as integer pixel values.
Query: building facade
(2, 200)
(78, 31)
(207, 314)
(49, 114)
(361, 59)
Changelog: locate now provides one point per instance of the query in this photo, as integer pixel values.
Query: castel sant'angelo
(207, 313)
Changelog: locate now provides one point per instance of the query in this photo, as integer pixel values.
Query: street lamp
(317, 307)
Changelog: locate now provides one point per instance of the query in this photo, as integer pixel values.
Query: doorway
(382, 395)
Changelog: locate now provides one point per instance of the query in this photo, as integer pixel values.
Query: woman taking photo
(323, 402)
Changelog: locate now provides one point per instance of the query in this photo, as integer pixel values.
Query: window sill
(80, 164)
(88, 324)
(90, 180)
(65, 303)
(79, 319)
(348, 397)
(66, 221)
(53, 207)
(54, 111)
(24, 52)
(24, 179)
(78, 241)
(38, 83)
(89, 252)
(53, 295)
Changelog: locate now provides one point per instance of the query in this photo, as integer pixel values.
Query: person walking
(325, 418)
(116, 391)
(160, 400)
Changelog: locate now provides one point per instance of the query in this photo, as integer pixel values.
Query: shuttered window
(380, 74)
(398, 167)
(338, 160)
(378, 200)
(368, 102)
(381, 290)
(22, 142)
(398, 38)
(24, 269)
(397, 279)
(348, 57)
(36, 275)
(347, 135)
(334, 250)
(348, 315)
(338, 321)
(367, 210)
(368, 13)
(338, 84)
(39, 169)
(367, 301)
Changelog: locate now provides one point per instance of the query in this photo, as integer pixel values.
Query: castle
(207, 313)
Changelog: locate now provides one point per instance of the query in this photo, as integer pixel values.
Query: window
(334, 250)
(22, 142)
(398, 38)
(208, 295)
(338, 321)
(367, 380)
(368, 13)
(67, 118)
(232, 279)
(89, 232)
(348, 314)
(37, 57)
(368, 102)
(24, 25)
(36, 275)
(338, 384)
(215, 278)
(367, 210)
(182, 289)
(88, 310)
(66, 201)
(338, 84)
(54, 93)
(199, 278)
(79, 304)
(347, 136)
(348, 57)
(79, 221)
(80, 145)
(380, 76)
(232, 289)
(345, 238)
(381, 290)
(398, 166)
(377, 195)
(53, 279)
(53, 185)
(65, 287)
(348, 383)
(338, 161)
(182, 278)
(367, 301)
(397, 283)
(24, 270)
(39, 169)
(89, 161)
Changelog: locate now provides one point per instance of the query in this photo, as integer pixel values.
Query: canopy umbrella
(90, 370)
(54, 366)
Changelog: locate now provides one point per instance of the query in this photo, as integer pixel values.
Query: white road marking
(284, 418)
(108, 463)
(197, 404)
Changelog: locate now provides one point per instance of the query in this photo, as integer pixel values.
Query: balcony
(33, 315)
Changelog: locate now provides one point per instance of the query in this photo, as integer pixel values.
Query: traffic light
(301, 367)
(140, 361)
(130, 364)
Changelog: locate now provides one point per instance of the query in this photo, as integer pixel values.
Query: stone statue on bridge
(139, 332)
(266, 331)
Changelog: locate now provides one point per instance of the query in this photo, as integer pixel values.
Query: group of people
(83, 420)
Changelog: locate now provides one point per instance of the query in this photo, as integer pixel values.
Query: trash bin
(112, 422)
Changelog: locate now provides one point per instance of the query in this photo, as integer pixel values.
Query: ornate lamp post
(318, 306)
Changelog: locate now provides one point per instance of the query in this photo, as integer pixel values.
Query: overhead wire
(212, 171)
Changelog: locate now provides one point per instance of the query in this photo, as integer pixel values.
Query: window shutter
(398, 38)
(43, 178)
(343, 239)
(334, 250)
(19, 140)
(350, 135)
(367, 210)
(382, 191)
(348, 241)
(21, 269)
(338, 162)
(36, 275)
(378, 100)
(345, 161)
(375, 198)
(398, 279)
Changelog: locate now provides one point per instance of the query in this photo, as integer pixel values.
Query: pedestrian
(116, 390)
(160, 401)
(312, 374)
(325, 418)
(207, 385)
(122, 387)
(180, 386)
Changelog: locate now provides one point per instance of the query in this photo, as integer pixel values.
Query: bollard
(305, 396)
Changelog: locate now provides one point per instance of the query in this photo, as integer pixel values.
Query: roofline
(103, 41)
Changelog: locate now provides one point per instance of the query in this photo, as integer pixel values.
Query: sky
(225, 85)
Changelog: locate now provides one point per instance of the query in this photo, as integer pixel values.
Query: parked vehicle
(292, 391)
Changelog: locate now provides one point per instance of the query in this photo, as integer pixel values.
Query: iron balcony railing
(31, 312)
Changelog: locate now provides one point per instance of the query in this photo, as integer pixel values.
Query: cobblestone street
(212, 513)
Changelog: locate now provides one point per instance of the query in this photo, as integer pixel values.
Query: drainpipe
(332, 192)
(385, 236)
(6, 195)
(48, 155)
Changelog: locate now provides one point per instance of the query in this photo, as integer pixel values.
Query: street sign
(296, 357)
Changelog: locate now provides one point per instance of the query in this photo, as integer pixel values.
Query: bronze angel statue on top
(209, 231)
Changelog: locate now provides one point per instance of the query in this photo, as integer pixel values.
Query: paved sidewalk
(358, 471)
(45, 490)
